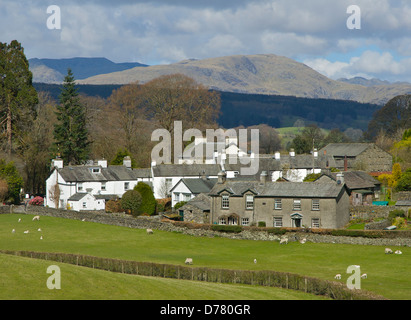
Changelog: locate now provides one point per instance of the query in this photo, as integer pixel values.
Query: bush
(148, 202)
(261, 224)
(396, 213)
(400, 223)
(225, 228)
(179, 204)
(113, 206)
(36, 201)
(131, 202)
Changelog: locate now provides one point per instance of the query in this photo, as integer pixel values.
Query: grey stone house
(197, 209)
(359, 156)
(362, 187)
(279, 204)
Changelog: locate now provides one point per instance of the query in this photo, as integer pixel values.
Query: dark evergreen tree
(18, 97)
(148, 202)
(70, 132)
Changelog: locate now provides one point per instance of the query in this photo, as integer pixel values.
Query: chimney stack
(277, 155)
(127, 162)
(292, 152)
(221, 177)
(340, 178)
(263, 177)
(345, 164)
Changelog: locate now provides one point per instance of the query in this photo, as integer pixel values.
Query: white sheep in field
(337, 276)
(189, 261)
(388, 251)
(149, 231)
(255, 260)
(38, 229)
(36, 218)
(398, 252)
(364, 276)
(19, 220)
(41, 237)
(284, 240)
(303, 240)
(27, 231)
(13, 231)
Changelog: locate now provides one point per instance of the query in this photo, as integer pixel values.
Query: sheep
(364, 276)
(337, 276)
(388, 251)
(27, 231)
(19, 220)
(13, 231)
(36, 218)
(84, 219)
(302, 241)
(38, 229)
(255, 260)
(41, 237)
(189, 261)
(398, 252)
(149, 231)
(284, 240)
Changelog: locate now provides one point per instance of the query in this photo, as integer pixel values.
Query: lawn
(26, 279)
(387, 274)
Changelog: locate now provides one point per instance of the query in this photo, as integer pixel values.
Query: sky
(373, 40)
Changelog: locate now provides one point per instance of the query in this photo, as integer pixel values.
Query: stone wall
(155, 223)
(369, 212)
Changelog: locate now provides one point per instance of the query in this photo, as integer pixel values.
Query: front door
(296, 219)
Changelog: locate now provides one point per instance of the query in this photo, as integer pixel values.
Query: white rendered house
(87, 187)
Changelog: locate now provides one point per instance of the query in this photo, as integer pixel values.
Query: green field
(388, 275)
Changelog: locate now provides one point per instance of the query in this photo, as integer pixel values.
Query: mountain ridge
(258, 74)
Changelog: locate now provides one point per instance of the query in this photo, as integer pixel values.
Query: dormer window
(95, 170)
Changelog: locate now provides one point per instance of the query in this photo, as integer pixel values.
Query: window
(249, 202)
(95, 170)
(84, 205)
(245, 221)
(177, 196)
(315, 223)
(278, 222)
(126, 185)
(297, 204)
(277, 204)
(315, 204)
(80, 187)
(222, 221)
(225, 202)
(186, 197)
(103, 186)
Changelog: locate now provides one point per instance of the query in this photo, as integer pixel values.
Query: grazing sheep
(36, 218)
(149, 231)
(364, 276)
(41, 237)
(27, 231)
(284, 240)
(19, 220)
(189, 261)
(13, 231)
(303, 240)
(38, 229)
(337, 277)
(84, 219)
(388, 251)
(398, 252)
(255, 260)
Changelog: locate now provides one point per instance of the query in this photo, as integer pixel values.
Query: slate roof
(279, 189)
(356, 179)
(77, 196)
(346, 149)
(199, 185)
(111, 173)
(201, 201)
(186, 170)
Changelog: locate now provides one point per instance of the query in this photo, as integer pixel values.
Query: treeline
(239, 109)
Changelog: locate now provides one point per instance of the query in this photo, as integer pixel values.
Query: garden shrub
(36, 201)
(179, 204)
(131, 202)
(148, 202)
(113, 206)
(225, 228)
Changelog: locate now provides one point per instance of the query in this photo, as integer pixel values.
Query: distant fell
(54, 70)
(259, 74)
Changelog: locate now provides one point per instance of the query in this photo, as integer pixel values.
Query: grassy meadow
(388, 275)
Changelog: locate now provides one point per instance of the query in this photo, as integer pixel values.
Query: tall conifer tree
(70, 132)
